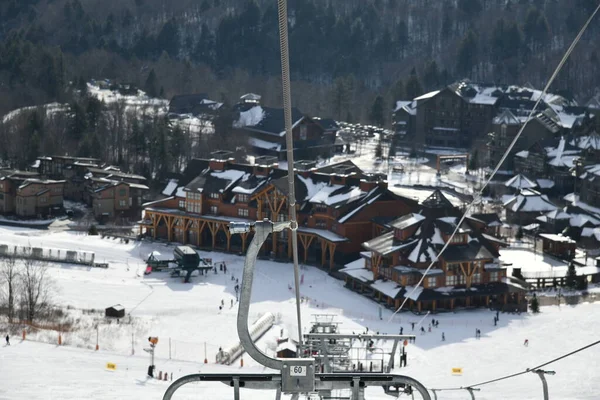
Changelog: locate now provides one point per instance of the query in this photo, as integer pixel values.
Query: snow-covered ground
(187, 316)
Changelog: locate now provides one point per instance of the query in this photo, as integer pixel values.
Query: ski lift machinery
(292, 376)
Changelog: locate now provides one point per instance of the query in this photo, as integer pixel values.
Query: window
(214, 195)
(453, 267)
(461, 279)
(242, 198)
(1, 196)
(193, 207)
(451, 280)
(214, 210)
(303, 130)
(493, 276)
(194, 196)
(122, 203)
(476, 278)
(243, 212)
(458, 239)
(431, 282)
(385, 272)
(130, 201)
(181, 203)
(122, 192)
(320, 208)
(43, 200)
(321, 223)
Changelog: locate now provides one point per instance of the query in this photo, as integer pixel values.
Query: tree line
(344, 53)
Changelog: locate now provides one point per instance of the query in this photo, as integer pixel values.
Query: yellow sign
(456, 371)
(111, 366)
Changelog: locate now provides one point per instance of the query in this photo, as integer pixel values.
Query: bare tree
(9, 275)
(36, 288)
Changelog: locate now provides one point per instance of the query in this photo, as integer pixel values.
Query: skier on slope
(7, 340)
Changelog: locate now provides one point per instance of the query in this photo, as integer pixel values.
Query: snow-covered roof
(409, 106)
(520, 182)
(557, 238)
(522, 154)
(251, 117)
(325, 234)
(334, 194)
(545, 183)
(263, 144)
(528, 200)
(587, 142)
(427, 95)
(506, 118)
(180, 192)
(388, 288)
(170, 188)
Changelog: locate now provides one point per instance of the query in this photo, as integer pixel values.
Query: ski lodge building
(467, 273)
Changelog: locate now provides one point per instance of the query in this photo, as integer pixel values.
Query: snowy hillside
(187, 316)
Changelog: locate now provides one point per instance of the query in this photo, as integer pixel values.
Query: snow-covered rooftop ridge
(591, 141)
(528, 200)
(520, 182)
(251, 117)
(506, 118)
(427, 95)
(327, 195)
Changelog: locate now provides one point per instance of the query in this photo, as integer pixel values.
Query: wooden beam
(323, 251)
(169, 221)
(331, 255)
(244, 237)
(228, 234)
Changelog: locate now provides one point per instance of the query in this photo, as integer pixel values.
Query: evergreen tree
(474, 161)
(151, 85)
(571, 278)
(431, 76)
(396, 93)
(534, 305)
(467, 55)
(413, 86)
(377, 115)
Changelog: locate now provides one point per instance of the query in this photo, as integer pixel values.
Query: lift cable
(287, 108)
(478, 195)
(528, 370)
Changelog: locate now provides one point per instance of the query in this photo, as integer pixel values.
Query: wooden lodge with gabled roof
(466, 274)
(336, 206)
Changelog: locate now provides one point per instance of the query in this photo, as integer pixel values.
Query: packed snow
(186, 316)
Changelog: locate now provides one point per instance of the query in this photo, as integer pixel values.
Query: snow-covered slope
(188, 315)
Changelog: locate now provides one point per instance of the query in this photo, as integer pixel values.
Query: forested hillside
(344, 52)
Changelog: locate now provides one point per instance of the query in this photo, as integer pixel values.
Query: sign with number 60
(298, 370)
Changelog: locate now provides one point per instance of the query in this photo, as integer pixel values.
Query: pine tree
(534, 305)
(474, 161)
(467, 55)
(413, 85)
(431, 76)
(151, 85)
(571, 278)
(377, 115)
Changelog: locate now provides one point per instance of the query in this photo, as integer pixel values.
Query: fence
(48, 254)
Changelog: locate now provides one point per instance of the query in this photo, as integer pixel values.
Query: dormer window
(214, 195)
(458, 238)
(320, 208)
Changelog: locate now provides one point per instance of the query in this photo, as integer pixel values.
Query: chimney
(219, 159)
(339, 174)
(305, 167)
(264, 164)
(371, 181)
